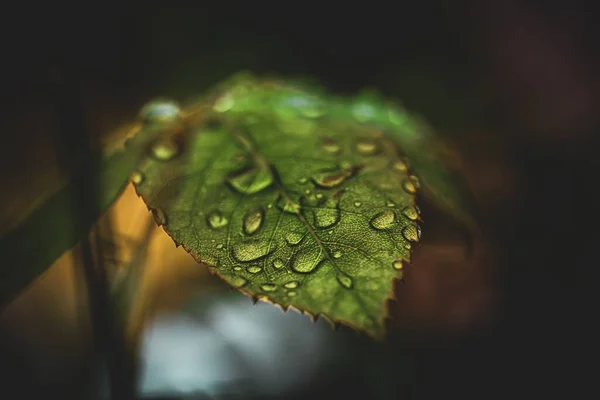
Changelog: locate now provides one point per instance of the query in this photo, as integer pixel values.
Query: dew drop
(238, 281)
(160, 110)
(307, 261)
(253, 221)
(137, 177)
(292, 294)
(345, 281)
(357, 204)
(329, 179)
(224, 103)
(237, 268)
(398, 264)
(219, 246)
(330, 146)
(326, 217)
(391, 204)
(409, 186)
(308, 191)
(293, 238)
(292, 285)
(302, 180)
(383, 220)
(400, 166)
(415, 181)
(216, 220)
(287, 205)
(250, 180)
(366, 147)
(411, 213)
(252, 250)
(411, 233)
(159, 216)
(269, 287)
(254, 269)
(165, 150)
(278, 263)
(337, 254)
(319, 195)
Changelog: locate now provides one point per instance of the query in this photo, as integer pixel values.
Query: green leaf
(52, 228)
(290, 196)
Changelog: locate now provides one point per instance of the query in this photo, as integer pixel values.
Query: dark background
(520, 74)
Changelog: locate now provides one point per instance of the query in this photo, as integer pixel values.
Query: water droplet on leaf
(292, 294)
(411, 213)
(366, 147)
(165, 150)
(254, 269)
(398, 264)
(411, 233)
(253, 221)
(383, 220)
(250, 180)
(409, 187)
(337, 254)
(216, 220)
(357, 203)
(278, 263)
(329, 179)
(330, 146)
(294, 238)
(292, 285)
(287, 205)
(269, 287)
(345, 281)
(307, 261)
(137, 177)
(219, 246)
(302, 180)
(238, 281)
(224, 103)
(251, 250)
(400, 166)
(391, 204)
(237, 268)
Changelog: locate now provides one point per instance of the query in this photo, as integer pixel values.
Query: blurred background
(512, 84)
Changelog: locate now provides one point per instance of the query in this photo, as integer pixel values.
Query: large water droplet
(337, 254)
(253, 221)
(398, 264)
(278, 263)
(237, 268)
(165, 150)
(400, 166)
(250, 180)
(224, 103)
(409, 186)
(367, 147)
(287, 205)
(345, 280)
(307, 261)
(159, 216)
(254, 269)
(269, 287)
(326, 217)
(252, 250)
(160, 110)
(329, 179)
(238, 281)
(383, 220)
(292, 285)
(357, 204)
(411, 213)
(137, 177)
(216, 220)
(330, 146)
(294, 238)
(219, 246)
(411, 233)
(390, 203)
(415, 181)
